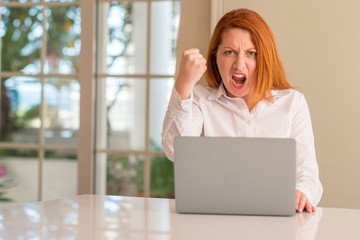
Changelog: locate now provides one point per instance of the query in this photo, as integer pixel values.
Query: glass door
(135, 76)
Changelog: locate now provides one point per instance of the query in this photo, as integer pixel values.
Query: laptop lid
(235, 175)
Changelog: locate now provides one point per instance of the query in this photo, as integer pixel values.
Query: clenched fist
(192, 67)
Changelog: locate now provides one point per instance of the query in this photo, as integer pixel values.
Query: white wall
(319, 45)
(194, 29)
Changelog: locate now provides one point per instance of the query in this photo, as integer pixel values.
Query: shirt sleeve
(182, 118)
(307, 170)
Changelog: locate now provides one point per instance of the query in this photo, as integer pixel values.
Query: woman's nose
(239, 63)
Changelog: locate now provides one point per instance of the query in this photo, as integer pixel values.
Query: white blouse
(210, 112)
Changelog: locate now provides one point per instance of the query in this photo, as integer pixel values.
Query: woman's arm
(307, 171)
(183, 118)
(192, 67)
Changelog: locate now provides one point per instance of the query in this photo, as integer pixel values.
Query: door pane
(124, 175)
(120, 119)
(62, 106)
(165, 18)
(20, 32)
(62, 1)
(63, 36)
(160, 91)
(59, 175)
(162, 177)
(20, 105)
(124, 38)
(121, 102)
(20, 1)
(19, 173)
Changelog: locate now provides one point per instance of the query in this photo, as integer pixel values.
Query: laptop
(235, 175)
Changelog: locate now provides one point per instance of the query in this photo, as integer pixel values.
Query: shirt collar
(217, 94)
(274, 93)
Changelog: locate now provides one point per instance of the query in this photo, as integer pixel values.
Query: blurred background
(41, 90)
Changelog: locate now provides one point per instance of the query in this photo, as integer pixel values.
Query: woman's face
(236, 61)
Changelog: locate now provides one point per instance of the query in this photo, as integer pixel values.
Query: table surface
(116, 217)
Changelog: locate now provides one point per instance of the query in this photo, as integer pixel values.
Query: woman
(248, 96)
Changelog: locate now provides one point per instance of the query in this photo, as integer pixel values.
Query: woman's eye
(252, 53)
(228, 52)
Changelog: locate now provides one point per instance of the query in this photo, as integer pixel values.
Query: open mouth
(238, 80)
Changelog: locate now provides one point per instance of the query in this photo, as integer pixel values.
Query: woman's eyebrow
(232, 47)
(235, 49)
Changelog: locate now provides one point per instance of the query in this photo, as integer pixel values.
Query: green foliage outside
(21, 39)
(162, 175)
(123, 172)
(4, 185)
(21, 32)
(20, 51)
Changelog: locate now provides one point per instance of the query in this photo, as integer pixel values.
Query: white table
(114, 217)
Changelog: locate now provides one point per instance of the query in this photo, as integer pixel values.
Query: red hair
(270, 70)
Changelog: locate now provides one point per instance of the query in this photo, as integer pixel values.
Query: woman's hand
(192, 67)
(302, 202)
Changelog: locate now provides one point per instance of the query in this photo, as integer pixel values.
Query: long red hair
(270, 70)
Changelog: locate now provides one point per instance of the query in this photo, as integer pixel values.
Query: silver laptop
(234, 175)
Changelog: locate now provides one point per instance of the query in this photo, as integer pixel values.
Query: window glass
(20, 109)
(160, 91)
(120, 111)
(165, 18)
(20, 1)
(63, 36)
(18, 176)
(124, 175)
(62, 1)
(162, 177)
(62, 108)
(20, 32)
(59, 175)
(126, 35)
